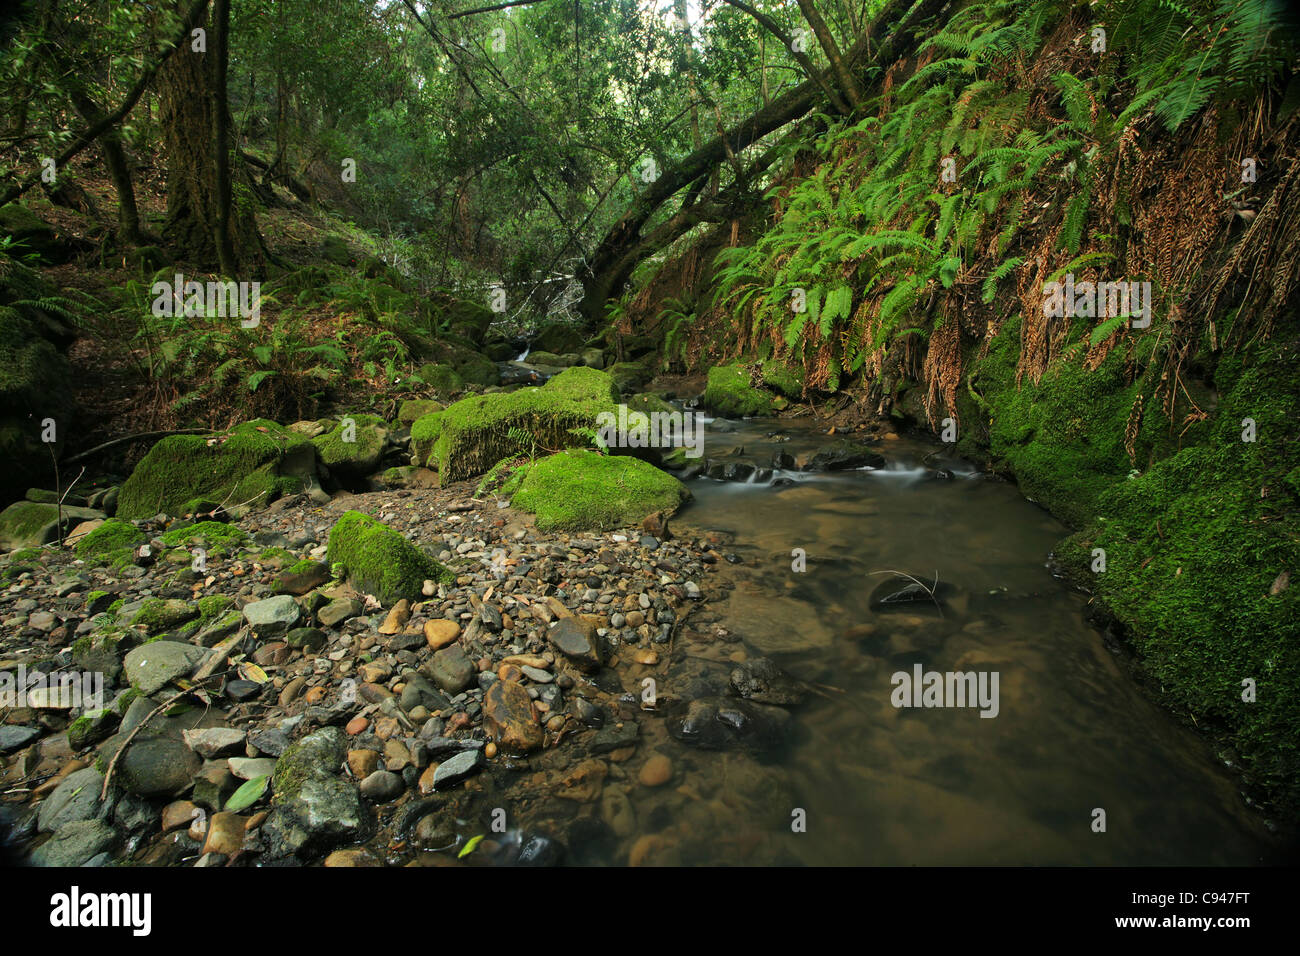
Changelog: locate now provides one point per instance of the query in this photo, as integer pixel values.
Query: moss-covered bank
(1188, 526)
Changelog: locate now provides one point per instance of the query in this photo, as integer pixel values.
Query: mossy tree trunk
(204, 223)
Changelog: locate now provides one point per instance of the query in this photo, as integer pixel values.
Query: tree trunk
(220, 114)
(848, 84)
(192, 115)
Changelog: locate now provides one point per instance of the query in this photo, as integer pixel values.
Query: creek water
(884, 785)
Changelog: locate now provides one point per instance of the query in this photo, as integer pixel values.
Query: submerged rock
(762, 681)
(899, 591)
(720, 723)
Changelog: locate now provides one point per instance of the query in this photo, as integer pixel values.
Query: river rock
(152, 666)
(75, 798)
(577, 640)
(720, 723)
(215, 741)
(382, 786)
(157, 766)
(761, 680)
(839, 456)
(455, 769)
(509, 717)
(452, 670)
(899, 591)
(273, 616)
(75, 843)
(14, 738)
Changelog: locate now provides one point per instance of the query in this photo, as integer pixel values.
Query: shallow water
(905, 786)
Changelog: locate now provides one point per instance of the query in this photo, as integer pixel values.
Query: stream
(883, 785)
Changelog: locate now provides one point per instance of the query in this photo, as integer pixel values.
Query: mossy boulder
(441, 378)
(730, 394)
(580, 490)
(30, 524)
(469, 320)
(214, 536)
(111, 536)
(379, 561)
(354, 447)
(782, 378)
(648, 403)
(34, 232)
(558, 338)
(414, 408)
(248, 466)
(424, 435)
(476, 433)
(630, 376)
(158, 614)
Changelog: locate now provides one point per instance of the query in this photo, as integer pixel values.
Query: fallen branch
(139, 437)
(112, 764)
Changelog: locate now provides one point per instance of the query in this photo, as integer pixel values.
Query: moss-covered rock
(247, 466)
(412, 409)
(580, 490)
(648, 403)
(424, 435)
(476, 433)
(782, 378)
(379, 561)
(630, 376)
(212, 535)
(441, 378)
(113, 535)
(558, 338)
(34, 232)
(729, 393)
(353, 448)
(28, 523)
(158, 614)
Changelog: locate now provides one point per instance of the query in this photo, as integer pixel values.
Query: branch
(498, 6)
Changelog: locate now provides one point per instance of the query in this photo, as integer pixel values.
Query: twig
(929, 591)
(112, 764)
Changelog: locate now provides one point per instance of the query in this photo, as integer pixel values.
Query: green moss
(113, 535)
(379, 561)
(213, 605)
(648, 402)
(583, 490)
(729, 393)
(441, 378)
(301, 567)
(781, 378)
(360, 456)
(212, 534)
(476, 433)
(629, 376)
(413, 409)
(247, 466)
(158, 615)
(124, 702)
